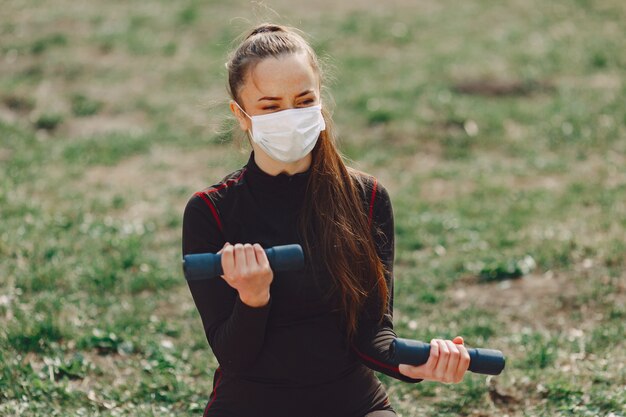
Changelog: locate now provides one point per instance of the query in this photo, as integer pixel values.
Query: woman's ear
(241, 118)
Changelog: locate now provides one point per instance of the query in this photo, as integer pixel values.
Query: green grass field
(499, 129)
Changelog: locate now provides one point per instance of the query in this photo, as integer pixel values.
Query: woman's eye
(308, 101)
(270, 108)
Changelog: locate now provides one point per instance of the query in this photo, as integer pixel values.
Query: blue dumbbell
(209, 265)
(414, 352)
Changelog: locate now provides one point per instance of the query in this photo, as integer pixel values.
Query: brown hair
(338, 232)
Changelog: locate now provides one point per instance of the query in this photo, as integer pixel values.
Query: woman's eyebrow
(304, 93)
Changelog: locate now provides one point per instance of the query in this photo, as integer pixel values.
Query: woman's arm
(374, 340)
(234, 330)
(448, 360)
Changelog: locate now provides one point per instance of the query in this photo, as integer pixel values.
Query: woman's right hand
(247, 269)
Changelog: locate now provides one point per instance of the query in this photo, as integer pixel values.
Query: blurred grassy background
(499, 129)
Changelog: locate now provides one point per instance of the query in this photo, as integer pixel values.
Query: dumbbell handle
(414, 352)
(199, 266)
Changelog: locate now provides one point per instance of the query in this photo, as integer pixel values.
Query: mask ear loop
(242, 110)
(248, 131)
(248, 134)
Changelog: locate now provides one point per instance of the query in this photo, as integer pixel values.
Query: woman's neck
(273, 167)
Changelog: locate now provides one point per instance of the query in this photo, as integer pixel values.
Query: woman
(303, 343)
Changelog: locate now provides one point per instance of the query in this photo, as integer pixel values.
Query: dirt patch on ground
(599, 81)
(150, 183)
(5, 154)
(437, 189)
(520, 300)
(542, 302)
(179, 302)
(501, 87)
(410, 167)
(104, 123)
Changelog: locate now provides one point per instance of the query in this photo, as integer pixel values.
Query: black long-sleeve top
(288, 358)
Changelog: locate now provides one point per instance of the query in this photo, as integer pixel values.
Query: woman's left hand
(447, 363)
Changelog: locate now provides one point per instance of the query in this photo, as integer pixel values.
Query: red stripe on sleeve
(205, 196)
(227, 182)
(375, 362)
(372, 202)
(219, 378)
(212, 207)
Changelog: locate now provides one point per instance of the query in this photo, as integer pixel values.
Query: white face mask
(287, 135)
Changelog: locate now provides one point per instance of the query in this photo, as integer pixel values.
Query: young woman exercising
(298, 344)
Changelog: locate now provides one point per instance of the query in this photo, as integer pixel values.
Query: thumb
(458, 340)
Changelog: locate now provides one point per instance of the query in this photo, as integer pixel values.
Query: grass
(499, 130)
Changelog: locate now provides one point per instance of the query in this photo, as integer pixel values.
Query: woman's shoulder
(215, 194)
(367, 184)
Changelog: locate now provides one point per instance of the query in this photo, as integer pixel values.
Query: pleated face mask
(287, 135)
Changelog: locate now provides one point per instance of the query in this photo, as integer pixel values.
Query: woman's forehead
(285, 76)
